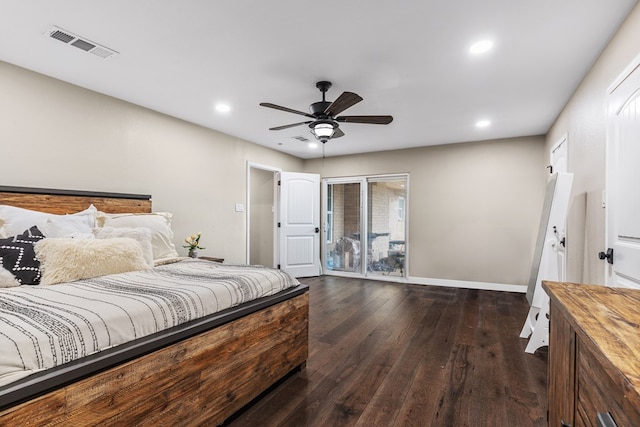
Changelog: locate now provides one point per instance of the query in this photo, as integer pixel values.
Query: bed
(199, 371)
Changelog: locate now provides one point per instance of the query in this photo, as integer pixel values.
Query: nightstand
(209, 258)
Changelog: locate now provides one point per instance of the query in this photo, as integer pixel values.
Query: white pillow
(67, 260)
(141, 235)
(7, 280)
(158, 222)
(66, 226)
(15, 220)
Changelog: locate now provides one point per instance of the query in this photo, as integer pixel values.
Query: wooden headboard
(71, 201)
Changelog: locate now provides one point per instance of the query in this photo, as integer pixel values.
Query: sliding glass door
(386, 230)
(375, 204)
(342, 227)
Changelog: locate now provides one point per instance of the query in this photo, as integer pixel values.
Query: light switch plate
(239, 207)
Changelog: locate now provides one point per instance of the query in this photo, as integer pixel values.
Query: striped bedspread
(45, 326)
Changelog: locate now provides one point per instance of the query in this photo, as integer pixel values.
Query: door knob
(317, 229)
(608, 255)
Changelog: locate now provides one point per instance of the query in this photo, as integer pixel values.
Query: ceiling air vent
(80, 42)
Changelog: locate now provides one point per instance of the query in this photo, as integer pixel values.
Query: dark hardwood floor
(387, 354)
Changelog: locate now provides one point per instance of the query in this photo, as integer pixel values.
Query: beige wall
(583, 120)
(474, 208)
(56, 135)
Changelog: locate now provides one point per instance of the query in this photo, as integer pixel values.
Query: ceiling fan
(324, 124)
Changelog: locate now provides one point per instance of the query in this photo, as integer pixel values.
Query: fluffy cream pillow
(7, 280)
(141, 235)
(66, 260)
(158, 222)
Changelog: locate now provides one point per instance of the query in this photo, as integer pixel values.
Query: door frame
(275, 171)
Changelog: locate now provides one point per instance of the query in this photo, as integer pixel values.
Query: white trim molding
(447, 283)
(485, 286)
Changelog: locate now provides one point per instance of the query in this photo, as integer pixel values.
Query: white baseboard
(487, 286)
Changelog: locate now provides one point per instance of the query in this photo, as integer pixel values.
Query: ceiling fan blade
(337, 134)
(290, 126)
(288, 110)
(344, 101)
(372, 120)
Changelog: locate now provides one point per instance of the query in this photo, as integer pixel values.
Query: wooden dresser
(594, 354)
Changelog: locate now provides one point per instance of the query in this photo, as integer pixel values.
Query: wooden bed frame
(198, 373)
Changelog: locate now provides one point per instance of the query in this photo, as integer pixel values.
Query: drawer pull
(604, 419)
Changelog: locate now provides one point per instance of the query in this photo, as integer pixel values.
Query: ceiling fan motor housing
(318, 108)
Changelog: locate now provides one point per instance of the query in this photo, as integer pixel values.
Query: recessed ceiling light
(482, 123)
(481, 46)
(223, 108)
(313, 145)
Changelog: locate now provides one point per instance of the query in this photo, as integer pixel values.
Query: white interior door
(300, 223)
(623, 176)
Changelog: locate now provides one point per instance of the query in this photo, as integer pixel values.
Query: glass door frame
(364, 181)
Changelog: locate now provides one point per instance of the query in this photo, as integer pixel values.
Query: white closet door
(623, 184)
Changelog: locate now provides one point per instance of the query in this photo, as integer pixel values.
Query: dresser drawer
(600, 388)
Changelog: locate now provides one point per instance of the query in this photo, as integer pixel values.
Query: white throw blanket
(46, 326)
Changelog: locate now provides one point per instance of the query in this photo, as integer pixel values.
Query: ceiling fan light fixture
(323, 130)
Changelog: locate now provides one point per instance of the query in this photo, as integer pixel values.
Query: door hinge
(278, 266)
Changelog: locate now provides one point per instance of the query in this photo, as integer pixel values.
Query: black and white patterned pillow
(19, 258)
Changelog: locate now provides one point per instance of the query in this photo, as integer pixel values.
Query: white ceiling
(406, 58)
